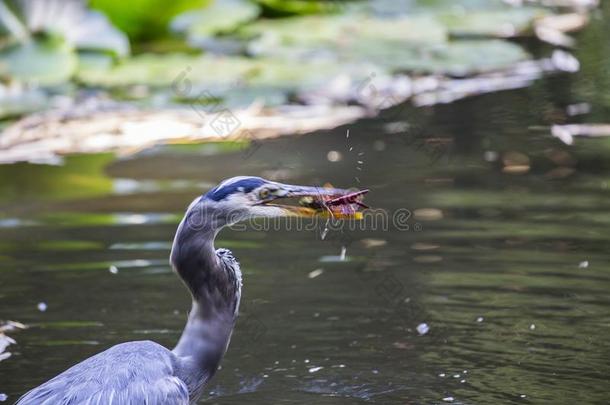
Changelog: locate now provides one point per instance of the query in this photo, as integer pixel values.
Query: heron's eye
(264, 194)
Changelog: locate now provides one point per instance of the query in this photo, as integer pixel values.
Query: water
(492, 221)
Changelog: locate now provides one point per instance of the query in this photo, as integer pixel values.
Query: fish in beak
(325, 202)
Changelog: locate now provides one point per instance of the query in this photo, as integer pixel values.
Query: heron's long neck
(214, 309)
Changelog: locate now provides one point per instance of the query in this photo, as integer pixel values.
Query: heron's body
(129, 373)
(145, 372)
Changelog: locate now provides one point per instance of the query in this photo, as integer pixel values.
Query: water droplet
(325, 231)
(532, 327)
(423, 328)
(315, 273)
(113, 269)
(333, 156)
(315, 369)
(583, 265)
(379, 146)
(480, 319)
(490, 156)
(42, 306)
(343, 253)
(448, 399)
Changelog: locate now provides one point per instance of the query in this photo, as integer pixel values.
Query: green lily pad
(295, 75)
(220, 16)
(41, 62)
(418, 44)
(94, 61)
(180, 70)
(492, 23)
(245, 96)
(458, 58)
(278, 36)
(412, 7)
(188, 76)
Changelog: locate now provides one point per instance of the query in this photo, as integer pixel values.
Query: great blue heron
(145, 372)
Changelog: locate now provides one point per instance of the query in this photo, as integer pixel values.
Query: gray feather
(131, 373)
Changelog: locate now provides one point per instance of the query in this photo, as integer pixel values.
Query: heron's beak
(325, 202)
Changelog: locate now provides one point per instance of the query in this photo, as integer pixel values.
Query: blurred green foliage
(145, 20)
(233, 48)
(281, 8)
(81, 176)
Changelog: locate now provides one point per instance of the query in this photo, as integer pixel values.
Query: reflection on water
(507, 267)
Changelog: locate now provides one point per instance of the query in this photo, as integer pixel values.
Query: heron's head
(241, 198)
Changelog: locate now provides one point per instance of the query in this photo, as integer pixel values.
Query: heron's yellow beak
(311, 213)
(324, 202)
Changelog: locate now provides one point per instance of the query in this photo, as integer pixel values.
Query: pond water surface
(504, 257)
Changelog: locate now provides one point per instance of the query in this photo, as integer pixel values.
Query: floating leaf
(185, 71)
(220, 16)
(288, 36)
(456, 57)
(246, 96)
(40, 62)
(195, 78)
(503, 23)
(293, 74)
